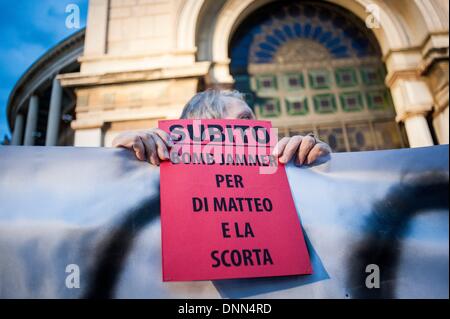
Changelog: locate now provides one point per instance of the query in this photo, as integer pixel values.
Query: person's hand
(151, 145)
(304, 149)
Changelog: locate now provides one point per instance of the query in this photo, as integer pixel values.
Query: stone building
(362, 74)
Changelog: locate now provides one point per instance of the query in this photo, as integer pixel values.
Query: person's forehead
(237, 109)
(233, 103)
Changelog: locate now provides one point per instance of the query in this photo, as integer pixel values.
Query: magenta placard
(226, 206)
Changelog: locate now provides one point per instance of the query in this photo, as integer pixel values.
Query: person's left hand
(304, 149)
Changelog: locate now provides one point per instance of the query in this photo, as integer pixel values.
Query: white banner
(84, 222)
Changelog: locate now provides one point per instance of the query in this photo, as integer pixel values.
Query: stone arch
(401, 46)
(315, 67)
(186, 25)
(223, 17)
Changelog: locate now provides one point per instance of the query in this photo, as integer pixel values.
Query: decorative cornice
(86, 124)
(433, 56)
(85, 80)
(407, 115)
(392, 77)
(416, 48)
(112, 57)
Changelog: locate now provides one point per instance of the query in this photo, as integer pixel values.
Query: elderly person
(153, 145)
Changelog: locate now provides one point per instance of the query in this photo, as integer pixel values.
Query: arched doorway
(315, 67)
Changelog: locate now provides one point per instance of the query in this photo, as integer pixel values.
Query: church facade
(361, 74)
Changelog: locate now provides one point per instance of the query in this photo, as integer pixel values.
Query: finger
(320, 149)
(165, 137)
(123, 140)
(306, 145)
(279, 147)
(150, 149)
(161, 147)
(138, 148)
(291, 148)
(116, 142)
(314, 154)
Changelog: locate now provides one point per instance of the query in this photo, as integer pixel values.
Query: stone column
(32, 118)
(54, 115)
(219, 76)
(88, 132)
(97, 31)
(418, 131)
(413, 101)
(18, 130)
(89, 137)
(435, 69)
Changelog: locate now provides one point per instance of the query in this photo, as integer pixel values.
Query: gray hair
(209, 104)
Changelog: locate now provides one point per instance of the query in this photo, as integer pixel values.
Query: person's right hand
(152, 145)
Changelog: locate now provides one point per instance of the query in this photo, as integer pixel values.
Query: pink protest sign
(226, 206)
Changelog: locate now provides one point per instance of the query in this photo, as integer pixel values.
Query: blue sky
(29, 28)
